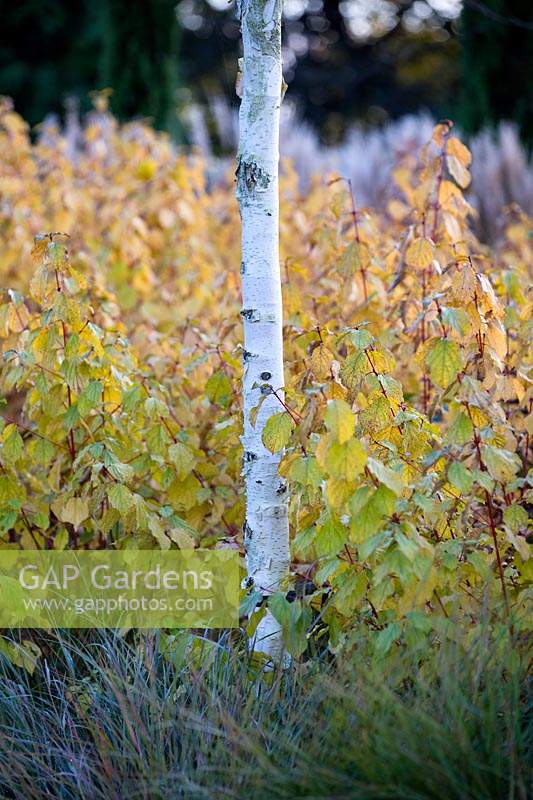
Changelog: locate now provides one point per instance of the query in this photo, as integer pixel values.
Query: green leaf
(155, 408)
(355, 257)
(340, 420)
(484, 479)
(218, 389)
(407, 546)
(350, 590)
(118, 470)
(61, 539)
(367, 523)
(302, 542)
(21, 655)
(12, 443)
(249, 602)
(131, 399)
(294, 619)
(516, 517)
(71, 417)
(305, 471)
(354, 369)
(10, 490)
(501, 464)
(277, 431)
(69, 369)
(392, 387)
(386, 638)
(43, 451)
(42, 520)
(157, 440)
(41, 384)
(90, 397)
(73, 346)
(361, 496)
(8, 520)
(371, 516)
(361, 339)
(461, 430)
(460, 477)
(456, 318)
(444, 360)
(182, 457)
(366, 548)
(393, 479)
(330, 537)
(120, 498)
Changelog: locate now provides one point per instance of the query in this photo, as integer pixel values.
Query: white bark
(266, 531)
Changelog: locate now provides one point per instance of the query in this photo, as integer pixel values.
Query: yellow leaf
(321, 359)
(183, 539)
(184, 493)
(74, 511)
(147, 169)
(422, 193)
(449, 192)
(464, 284)
(419, 253)
(439, 132)
(478, 417)
(338, 492)
(340, 420)
(355, 258)
(277, 431)
(497, 338)
(453, 228)
(457, 149)
(343, 461)
(41, 343)
(54, 476)
(41, 242)
(458, 171)
(397, 210)
(335, 391)
(292, 299)
(377, 416)
(380, 361)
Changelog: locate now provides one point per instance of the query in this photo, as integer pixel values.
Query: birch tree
(266, 531)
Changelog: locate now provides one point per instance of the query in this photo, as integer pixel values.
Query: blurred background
(367, 81)
(355, 61)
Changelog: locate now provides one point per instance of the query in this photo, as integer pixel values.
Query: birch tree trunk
(266, 530)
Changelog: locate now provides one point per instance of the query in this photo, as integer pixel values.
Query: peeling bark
(266, 531)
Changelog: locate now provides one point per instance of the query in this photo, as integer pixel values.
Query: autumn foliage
(407, 414)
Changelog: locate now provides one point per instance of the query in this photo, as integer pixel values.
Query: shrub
(408, 399)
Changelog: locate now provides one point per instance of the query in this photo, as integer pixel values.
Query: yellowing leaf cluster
(408, 399)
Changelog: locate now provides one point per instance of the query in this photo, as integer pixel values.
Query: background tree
(139, 60)
(497, 58)
(56, 49)
(364, 60)
(49, 49)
